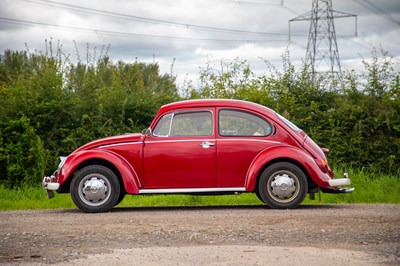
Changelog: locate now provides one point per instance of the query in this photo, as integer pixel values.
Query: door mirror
(147, 132)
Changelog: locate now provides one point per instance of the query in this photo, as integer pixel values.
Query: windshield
(287, 122)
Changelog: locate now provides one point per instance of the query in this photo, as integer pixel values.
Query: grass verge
(369, 188)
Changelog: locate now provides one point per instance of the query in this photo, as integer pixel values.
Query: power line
(372, 7)
(146, 20)
(322, 46)
(126, 34)
(274, 3)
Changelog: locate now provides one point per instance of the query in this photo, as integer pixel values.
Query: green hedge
(50, 106)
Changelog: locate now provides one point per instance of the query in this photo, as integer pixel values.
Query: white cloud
(375, 29)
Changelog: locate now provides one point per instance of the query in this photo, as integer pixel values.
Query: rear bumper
(49, 184)
(338, 182)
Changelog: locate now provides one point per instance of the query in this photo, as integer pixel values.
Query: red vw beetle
(200, 147)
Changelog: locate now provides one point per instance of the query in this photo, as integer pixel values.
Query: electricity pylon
(322, 51)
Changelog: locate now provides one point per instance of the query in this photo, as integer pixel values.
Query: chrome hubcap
(94, 189)
(283, 186)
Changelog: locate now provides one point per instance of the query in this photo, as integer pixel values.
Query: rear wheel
(282, 185)
(95, 188)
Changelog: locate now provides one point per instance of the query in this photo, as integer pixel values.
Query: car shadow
(208, 208)
(222, 207)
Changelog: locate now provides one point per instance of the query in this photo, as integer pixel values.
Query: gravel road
(252, 235)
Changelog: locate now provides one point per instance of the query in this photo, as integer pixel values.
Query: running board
(191, 190)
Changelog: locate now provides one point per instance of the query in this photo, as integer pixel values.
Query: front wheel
(282, 186)
(95, 188)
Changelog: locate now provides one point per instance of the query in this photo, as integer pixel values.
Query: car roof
(215, 103)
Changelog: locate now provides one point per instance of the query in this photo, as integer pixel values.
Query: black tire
(121, 197)
(258, 195)
(282, 186)
(95, 188)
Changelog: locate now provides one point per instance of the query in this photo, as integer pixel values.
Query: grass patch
(26, 197)
(370, 188)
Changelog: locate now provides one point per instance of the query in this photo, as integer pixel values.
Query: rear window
(288, 123)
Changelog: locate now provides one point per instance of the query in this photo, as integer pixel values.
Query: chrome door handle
(207, 144)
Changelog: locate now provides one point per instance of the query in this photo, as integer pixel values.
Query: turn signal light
(322, 164)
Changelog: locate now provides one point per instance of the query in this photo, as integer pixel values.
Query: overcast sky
(194, 32)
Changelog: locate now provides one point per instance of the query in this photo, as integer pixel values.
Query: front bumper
(50, 184)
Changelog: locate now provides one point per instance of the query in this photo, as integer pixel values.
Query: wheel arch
(126, 175)
(265, 159)
(311, 183)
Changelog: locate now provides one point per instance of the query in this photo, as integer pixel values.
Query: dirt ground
(237, 235)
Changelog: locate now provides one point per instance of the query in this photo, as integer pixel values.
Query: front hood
(111, 140)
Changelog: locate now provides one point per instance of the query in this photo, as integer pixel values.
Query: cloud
(191, 32)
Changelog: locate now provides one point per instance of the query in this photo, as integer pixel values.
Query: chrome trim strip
(210, 139)
(179, 140)
(119, 144)
(249, 139)
(170, 124)
(191, 190)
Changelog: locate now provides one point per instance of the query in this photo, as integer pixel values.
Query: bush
(22, 156)
(49, 106)
(357, 118)
(66, 105)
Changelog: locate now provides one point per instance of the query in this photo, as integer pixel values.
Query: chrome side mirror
(147, 132)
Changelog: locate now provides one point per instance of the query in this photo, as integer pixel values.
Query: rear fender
(75, 160)
(286, 153)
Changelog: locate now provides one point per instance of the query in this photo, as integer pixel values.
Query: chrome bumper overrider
(49, 184)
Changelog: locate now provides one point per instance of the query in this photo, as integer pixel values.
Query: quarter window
(239, 123)
(163, 126)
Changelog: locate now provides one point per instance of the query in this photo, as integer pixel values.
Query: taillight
(322, 164)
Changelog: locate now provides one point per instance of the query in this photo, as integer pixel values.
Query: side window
(184, 124)
(239, 123)
(163, 126)
(192, 124)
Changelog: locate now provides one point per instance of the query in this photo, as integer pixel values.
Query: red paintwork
(151, 162)
(130, 176)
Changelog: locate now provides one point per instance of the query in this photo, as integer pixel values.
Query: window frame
(176, 113)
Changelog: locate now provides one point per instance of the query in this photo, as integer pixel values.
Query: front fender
(128, 174)
(285, 153)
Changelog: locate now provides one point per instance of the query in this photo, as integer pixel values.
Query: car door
(242, 135)
(181, 152)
